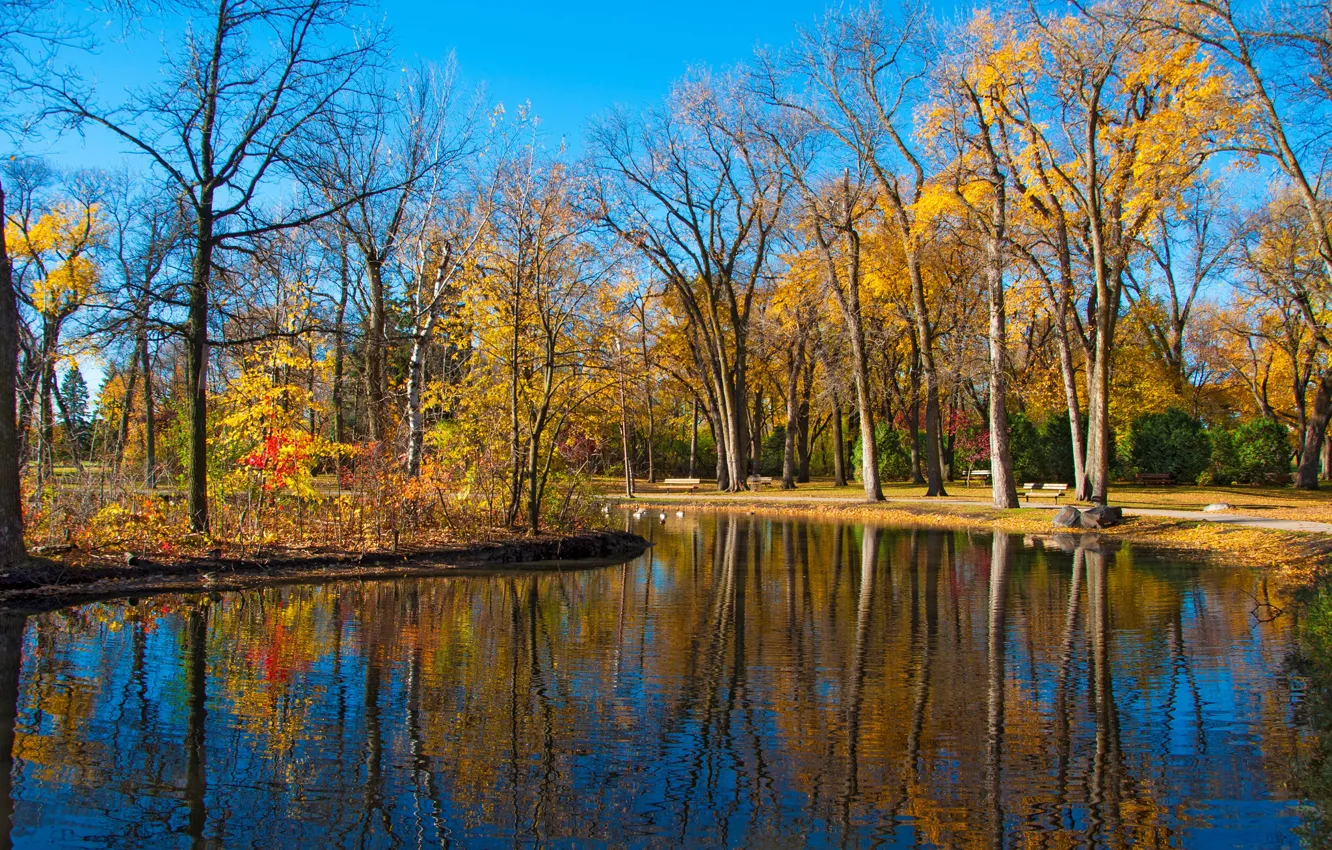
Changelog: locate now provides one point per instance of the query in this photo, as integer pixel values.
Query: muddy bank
(45, 584)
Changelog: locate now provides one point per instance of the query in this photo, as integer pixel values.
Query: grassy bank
(1298, 559)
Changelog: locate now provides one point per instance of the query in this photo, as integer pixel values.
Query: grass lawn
(1276, 502)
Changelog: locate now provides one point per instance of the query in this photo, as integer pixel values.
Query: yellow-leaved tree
(56, 275)
(265, 449)
(1110, 118)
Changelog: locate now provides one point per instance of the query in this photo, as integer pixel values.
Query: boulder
(1068, 517)
(1218, 507)
(1102, 516)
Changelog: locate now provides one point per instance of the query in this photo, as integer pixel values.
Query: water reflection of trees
(749, 679)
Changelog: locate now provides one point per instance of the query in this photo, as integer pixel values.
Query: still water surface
(749, 682)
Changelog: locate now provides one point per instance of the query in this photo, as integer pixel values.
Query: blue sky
(570, 60)
(573, 60)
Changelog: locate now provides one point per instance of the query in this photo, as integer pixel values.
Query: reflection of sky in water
(741, 684)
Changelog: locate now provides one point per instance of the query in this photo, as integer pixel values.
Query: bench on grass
(1160, 479)
(982, 474)
(690, 484)
(1055, 490)
(758, 482)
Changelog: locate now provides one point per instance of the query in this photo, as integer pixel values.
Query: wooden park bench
(1160, 479)
(1055, 490)
(758, 482)
(690, 484)
(982, 474)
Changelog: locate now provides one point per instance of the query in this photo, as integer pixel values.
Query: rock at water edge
(1068, 517)
(1102, 516)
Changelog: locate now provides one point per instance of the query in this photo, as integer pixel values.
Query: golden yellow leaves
(1093, 97)
(66, 286)
(58, 246)
(1003, 61)
(264, 426)
(936, 201)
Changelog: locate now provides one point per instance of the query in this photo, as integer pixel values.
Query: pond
(750, 681)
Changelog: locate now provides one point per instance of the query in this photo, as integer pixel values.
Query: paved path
(1243, 520)
(1237, 519)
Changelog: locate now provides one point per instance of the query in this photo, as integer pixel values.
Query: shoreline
(1300, 559)
(45, 584)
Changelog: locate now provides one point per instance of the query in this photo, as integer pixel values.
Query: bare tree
(698, 197)
(248, 81)
(1186, 249)
(836, 210)
(387, 173)
(858, 76)
(144, 234)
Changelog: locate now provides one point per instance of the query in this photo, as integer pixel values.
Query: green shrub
(1027, 449)
(1172, 441)
(1262, 452)
(894, 449)
(1058, 439)
(772, 453)
(1221, 469)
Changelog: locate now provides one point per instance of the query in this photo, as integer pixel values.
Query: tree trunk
(913, 420)
(803, 436)
(126, 407)
(693, 440)
(1098, 462)
(415, 416)
(792, 414)
(839, 445)
(647, 394)
(12, 551)
(756, 435)
(725, 397)
(848, 300)
(723, 470)
(536, 483)
(933, 417)
(1070, 378)
(149, 428)
(624, 444)
(1004, 489)
(196, 368)
(533, 484)
(340, 354)
(46, 408)
(376, 354)
(515, 445)
(1306, 474)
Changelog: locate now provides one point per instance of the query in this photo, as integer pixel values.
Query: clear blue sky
(570, 60)
(574, 59)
